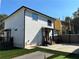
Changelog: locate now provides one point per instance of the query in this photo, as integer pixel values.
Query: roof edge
(29, 9)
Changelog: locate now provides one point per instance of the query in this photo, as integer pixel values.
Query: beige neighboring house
(58, 26)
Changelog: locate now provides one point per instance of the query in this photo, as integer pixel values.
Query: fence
(6, 44)
(68, 38)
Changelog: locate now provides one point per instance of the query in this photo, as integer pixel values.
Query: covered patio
(47, 36)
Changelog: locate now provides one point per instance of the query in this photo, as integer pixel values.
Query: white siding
(28, 30)
(33, 33)
(16, 21)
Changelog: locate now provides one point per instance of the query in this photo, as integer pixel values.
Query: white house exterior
(26, 26)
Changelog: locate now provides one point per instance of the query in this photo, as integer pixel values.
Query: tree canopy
(67, 19)
(76, 21)
(2, 16)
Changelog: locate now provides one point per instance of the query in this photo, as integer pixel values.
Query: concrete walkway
(57, 47)
(35, 55)
(64, 48)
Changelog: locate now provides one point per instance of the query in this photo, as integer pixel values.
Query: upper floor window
(49, 23)
(34, 16)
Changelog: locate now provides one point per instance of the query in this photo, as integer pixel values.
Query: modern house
(30, 27)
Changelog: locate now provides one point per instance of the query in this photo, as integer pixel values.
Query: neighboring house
(29, 27)
(62, 27)
(58, 26)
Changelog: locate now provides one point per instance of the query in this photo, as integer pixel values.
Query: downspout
(24, 29)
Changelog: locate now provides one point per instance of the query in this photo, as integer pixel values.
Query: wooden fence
(68, 38)
(6, 44)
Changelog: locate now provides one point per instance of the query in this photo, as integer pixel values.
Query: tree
(76, 13)
(76, 25)
(67, 19)
(76, 21)
(2, 16)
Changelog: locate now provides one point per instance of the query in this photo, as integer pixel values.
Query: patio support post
(52, 36)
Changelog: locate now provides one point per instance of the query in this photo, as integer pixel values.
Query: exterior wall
(16, 23)
(33, 32)
(24, 29)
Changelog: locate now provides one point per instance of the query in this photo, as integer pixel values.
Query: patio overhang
(47, 27)
(47, 34)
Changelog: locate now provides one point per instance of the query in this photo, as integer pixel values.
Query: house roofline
(14, 12)
(31, 10)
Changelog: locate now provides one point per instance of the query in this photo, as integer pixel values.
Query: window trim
(49, 23)
(34, 16)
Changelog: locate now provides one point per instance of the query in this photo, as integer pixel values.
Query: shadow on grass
(74, 55)
(59, 54)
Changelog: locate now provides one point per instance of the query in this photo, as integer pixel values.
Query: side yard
(8, 54)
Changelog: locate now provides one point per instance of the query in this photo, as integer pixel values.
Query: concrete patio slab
(35, 55)
(64, 48)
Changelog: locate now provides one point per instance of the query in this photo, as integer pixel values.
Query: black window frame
(49, 23)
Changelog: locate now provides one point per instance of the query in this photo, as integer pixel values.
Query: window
(35, 16)
(49, 23)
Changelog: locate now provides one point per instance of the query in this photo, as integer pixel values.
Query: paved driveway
(34, 55)
(57, 47)
(73, 48)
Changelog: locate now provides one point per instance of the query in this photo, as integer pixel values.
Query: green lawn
(8, 54)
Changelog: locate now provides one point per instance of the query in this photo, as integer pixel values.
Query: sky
(53, 8)
(0, 3)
